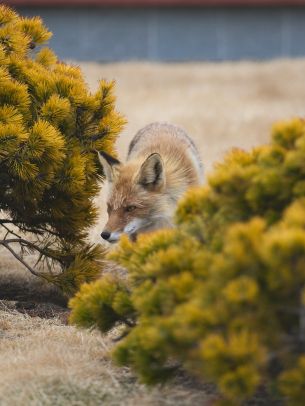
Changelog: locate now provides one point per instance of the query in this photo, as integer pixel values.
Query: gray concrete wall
(174, 34)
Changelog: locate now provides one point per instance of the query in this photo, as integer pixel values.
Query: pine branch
(40, 230)
(128, 323)
(99, 136)
(34, 230)
(120, 337)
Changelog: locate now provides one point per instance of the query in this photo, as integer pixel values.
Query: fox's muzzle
(111, 237)
(105, 235)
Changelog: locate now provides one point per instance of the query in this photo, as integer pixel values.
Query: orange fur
(162, 164)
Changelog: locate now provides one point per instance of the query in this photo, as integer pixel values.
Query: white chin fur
(140, 225)
(133, 226)
(114, 237)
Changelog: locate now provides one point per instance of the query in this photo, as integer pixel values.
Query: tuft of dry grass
(44, 362)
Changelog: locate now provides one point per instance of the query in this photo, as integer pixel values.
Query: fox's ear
(151, 174)
(109, 165)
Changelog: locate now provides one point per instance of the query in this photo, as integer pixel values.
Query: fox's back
(178, 151)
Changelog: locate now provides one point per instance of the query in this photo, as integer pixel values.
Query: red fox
(162, 163)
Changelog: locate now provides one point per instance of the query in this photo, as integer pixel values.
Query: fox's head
(134, 202)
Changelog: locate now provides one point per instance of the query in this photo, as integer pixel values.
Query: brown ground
(44, 361)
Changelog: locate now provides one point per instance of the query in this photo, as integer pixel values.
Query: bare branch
(29, 244)
(33, 272)
(9, 231)
(44, 254)
(6, 221)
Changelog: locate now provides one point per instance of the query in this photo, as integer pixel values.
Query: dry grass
(44, 362)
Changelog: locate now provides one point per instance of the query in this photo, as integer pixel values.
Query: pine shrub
(223, 293)
(50, 129)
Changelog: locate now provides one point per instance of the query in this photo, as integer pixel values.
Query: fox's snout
(105, 235)
(131, 229)
(111, 237)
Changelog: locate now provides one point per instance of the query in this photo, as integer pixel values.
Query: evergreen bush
(50, 127)
(223, 293)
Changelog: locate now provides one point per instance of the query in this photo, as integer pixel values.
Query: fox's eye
(130, 208)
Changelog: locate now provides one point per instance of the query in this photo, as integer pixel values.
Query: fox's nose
(105, 235)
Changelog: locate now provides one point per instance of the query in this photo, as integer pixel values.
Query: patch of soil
(38, 309)
(44, 310)
(31, 292)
